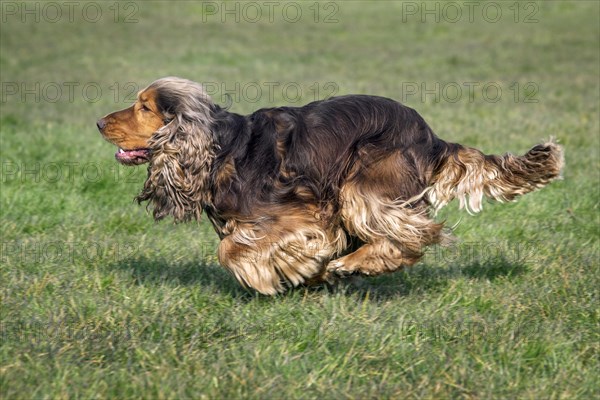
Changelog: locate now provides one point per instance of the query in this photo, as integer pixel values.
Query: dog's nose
(101, 123)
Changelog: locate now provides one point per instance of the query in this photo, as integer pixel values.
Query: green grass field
(99, 301)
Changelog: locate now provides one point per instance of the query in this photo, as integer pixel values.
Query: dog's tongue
(132, 157)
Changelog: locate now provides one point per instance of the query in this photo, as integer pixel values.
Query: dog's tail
(468, 174)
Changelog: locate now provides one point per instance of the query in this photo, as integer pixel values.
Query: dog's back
(322, 145)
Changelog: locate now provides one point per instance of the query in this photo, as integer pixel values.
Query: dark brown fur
(312, 193)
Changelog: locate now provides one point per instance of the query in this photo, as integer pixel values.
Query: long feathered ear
(179, 170)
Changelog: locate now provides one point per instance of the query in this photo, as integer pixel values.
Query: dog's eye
(144, 108)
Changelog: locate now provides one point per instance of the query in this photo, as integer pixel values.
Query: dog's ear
(179, 169)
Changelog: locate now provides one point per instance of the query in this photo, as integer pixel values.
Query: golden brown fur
(301, 195)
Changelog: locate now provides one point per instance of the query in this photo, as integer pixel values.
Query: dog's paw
(340, 269)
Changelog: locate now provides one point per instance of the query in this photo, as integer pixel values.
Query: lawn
(99, 301)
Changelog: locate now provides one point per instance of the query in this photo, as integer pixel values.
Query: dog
(308, 195)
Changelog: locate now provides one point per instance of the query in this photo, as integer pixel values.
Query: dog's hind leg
(371, 259)
(395, 232)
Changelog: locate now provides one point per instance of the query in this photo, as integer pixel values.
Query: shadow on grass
(425, 278)
(422, 278)
(159, 271)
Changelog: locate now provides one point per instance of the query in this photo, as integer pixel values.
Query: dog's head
(170, 127)
(162, 109)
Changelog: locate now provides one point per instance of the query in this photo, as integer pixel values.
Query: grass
(99, 301)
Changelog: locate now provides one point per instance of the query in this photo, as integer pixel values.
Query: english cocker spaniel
(302, 195)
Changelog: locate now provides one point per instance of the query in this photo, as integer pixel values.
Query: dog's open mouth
(133, 157)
